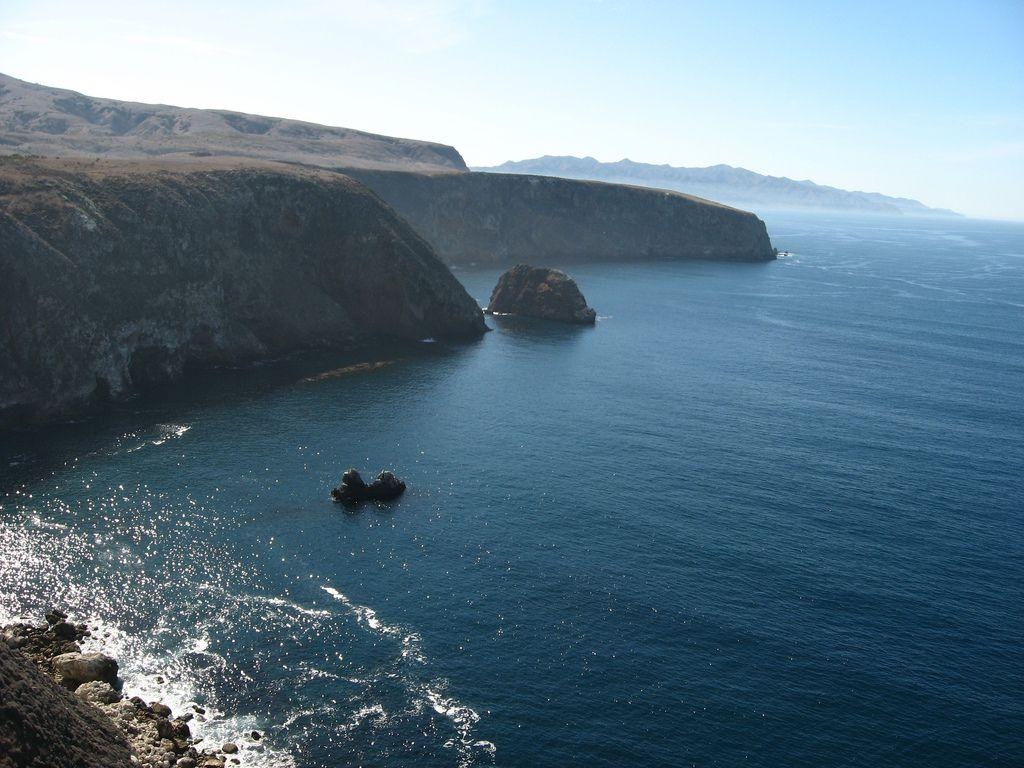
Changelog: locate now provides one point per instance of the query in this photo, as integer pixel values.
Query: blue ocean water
(767, 515)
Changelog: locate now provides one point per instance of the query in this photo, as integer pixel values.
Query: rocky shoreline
(148, 735)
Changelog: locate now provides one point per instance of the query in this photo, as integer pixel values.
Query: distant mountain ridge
(40, 120)
(722, 183)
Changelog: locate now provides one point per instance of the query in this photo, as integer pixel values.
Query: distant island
(733, 186)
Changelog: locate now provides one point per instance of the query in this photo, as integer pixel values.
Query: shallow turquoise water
(762, 514)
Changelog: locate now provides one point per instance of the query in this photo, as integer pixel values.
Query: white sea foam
(431, 694)
(142, 668)
(463, 719)
(363, 613)
(373, 711)
(278, 602)
(130, 442)
(170, 432)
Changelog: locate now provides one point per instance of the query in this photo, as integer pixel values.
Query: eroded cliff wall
(117, 275)
(503, 219)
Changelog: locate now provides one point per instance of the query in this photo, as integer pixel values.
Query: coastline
(157, 737)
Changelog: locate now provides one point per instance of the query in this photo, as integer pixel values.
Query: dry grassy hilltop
(39, 120)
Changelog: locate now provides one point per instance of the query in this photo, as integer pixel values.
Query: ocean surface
(763, 515)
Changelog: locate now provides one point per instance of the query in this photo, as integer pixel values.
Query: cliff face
(497, 219)
(118, 276)
(501, 219)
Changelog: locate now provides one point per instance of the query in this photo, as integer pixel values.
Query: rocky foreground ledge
(62, 707)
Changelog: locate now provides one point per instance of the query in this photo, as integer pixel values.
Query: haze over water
(761, 514)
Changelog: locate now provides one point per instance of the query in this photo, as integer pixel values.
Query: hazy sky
(918, 99)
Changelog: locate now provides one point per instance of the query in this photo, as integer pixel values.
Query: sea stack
(540, 292)
(354, 490)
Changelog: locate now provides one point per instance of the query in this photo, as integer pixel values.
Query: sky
(913, 99)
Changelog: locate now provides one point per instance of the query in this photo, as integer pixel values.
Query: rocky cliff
(503, 219)
(116, 276)
(43, 725)
(468, 217)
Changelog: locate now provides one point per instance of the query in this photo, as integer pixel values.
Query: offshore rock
(542, 293)
(354, 490)
(116, 276)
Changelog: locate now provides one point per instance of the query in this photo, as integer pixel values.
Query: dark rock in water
(385, 487)
(354, 490)
(55, 616)
(540, 292)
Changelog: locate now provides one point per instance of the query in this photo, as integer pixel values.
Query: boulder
(97, 692)
(542, 293)
(74, 669)
(354, 490)
(64, 630)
